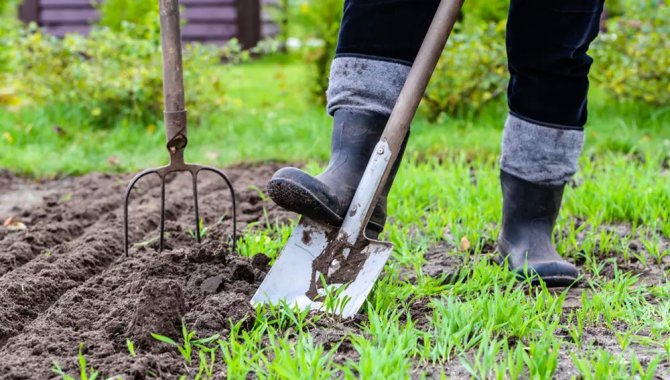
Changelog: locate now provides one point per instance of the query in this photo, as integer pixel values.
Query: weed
(188, 343)
(334, 300)
(202, 230)
(85, 373)
(131, 348)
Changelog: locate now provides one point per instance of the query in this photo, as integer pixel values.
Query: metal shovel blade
(334, 269)
(318, 270)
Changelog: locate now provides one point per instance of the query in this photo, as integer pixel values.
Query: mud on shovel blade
(326, 268)
(297, 277)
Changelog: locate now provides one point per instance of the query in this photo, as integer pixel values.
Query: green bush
(8, 9)
(478, 11)
(114, 13)
(631, 57)
(471, 72)
(112, 76)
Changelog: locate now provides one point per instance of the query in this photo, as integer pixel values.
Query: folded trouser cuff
(540, 154)
(365, 84)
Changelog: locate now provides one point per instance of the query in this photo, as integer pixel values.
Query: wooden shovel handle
(420, 74)
(399, 122)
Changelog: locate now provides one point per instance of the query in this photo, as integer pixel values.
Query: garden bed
(64, 280)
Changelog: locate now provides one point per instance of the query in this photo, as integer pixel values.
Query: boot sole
(294, 197)
(550, 281)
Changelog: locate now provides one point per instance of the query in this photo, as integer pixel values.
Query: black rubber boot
(326, 197)
(529, 215)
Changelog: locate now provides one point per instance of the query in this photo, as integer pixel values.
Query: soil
(64, 279)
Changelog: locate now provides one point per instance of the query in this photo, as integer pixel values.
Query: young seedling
(151, 240)
(131, 347)
(206, 367)
(333, 302)
(84, 372)
(243, 349)
(260, 193)
(188, 344)
(202, 229)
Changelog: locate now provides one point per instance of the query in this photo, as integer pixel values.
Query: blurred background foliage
(113, 74)
(115, 13)
(632, 54)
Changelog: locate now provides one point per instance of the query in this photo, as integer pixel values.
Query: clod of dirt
(159, 309)
(213, 284)
(209, 252)
(260, 261)
(218, 311)
(243, 272)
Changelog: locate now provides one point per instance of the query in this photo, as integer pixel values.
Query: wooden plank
(209, 14)
(68, 16)
(208, 21)
(61, 30)
(266, 16)
(29, 11)
(61, 4)
(209, 31)
(269, 30)
(189, 3)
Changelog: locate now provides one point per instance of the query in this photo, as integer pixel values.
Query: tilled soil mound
(64, 279)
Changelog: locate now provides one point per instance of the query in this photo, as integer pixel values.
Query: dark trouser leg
(547, 41)
(377, 44)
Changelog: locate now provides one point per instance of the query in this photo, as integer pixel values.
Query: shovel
(331, 269)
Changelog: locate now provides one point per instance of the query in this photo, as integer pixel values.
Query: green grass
(477, 320)
(268, 117)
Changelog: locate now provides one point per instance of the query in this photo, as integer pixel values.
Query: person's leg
(378, 42)
(547, 43)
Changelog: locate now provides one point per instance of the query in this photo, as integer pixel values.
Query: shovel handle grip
(173, 80)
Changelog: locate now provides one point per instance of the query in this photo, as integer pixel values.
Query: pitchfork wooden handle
(173, 80)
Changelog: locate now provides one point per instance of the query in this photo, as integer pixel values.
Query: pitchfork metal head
(176, 145)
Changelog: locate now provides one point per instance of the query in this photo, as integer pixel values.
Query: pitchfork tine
(162, 227)
(232, 196)
(195, 204)
(126, 199)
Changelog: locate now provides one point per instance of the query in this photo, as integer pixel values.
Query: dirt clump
(158, 309)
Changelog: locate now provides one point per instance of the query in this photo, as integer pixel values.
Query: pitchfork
(175, 125)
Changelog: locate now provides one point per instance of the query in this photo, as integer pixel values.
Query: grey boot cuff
(540, 154)
(365, 84)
